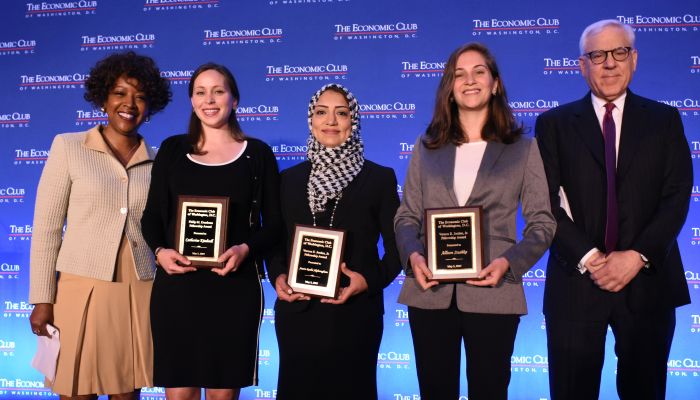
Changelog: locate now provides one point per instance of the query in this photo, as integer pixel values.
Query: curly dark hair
(142, 68)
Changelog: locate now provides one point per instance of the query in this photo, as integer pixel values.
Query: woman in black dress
(328, 348)
(206, 322)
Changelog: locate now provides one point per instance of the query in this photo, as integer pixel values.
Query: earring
(102, 109)
(493, 92)
(148, 118)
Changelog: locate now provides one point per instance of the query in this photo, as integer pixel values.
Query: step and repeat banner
(390, 53)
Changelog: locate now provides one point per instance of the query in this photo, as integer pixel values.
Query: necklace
(335, 206)
(123, 159)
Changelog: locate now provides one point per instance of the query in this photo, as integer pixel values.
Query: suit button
(123, 178)
(123, 210)
(135, 244)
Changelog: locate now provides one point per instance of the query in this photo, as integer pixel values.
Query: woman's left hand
(358, 284)
(492, 274)
(233, 257)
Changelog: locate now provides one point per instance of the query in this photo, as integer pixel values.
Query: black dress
(331, 350)
(205, 327)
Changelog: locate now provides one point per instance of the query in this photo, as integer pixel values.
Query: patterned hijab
(332, 169)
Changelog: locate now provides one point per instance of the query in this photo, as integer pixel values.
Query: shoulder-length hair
(194, 130)
(445, 127)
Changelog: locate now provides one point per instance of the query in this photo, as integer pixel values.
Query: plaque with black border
(454, 243)
(314, 265)
(200, 233)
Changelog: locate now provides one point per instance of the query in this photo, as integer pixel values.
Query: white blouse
(467, 162)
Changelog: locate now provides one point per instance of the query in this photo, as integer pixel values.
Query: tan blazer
(509, 175)
(86, 188)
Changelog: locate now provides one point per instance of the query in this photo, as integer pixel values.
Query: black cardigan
(265, 217)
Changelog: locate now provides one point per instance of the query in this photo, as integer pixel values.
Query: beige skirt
(106, 345)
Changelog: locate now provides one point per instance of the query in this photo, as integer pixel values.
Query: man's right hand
(595, 261)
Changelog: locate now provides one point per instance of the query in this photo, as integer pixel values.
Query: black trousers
(488, 343)
(328, 352)
(576, 350)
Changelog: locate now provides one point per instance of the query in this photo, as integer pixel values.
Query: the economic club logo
(694, 235)
(688, 107)
(694, 149)
(242, 36)
(393, 30)
(19, 232)
(394, 110)
(177, 76)
(662, 23)
(318, 72)
(422, 69)
(17, 309)
(179, 5)
(9, 271)
(52, 82)
(289, 152)
(693, 279)
(561, 66)
(515, 27)
(90, 117)
(17, 47)
(534, 278)
(521, 363)
(12, 195)
(128, 41)
(60, 9)
(318, 3)
(7, 347)
(259, 113)
(531, 108)
(393, 360)
(405, 150)
(695, 323)
(30, 156)
(400, 317)
(15, 120)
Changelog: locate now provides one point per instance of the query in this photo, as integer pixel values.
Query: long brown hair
(194, 130)
(445, 127)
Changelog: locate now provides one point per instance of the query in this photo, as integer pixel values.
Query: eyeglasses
(618, 54)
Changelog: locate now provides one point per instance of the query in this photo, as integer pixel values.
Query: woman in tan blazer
(93, 281)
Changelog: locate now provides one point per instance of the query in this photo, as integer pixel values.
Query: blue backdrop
(390, 53)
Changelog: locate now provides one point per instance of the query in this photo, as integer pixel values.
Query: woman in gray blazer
(472, 154)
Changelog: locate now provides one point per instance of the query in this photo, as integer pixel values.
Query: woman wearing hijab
(325, 342)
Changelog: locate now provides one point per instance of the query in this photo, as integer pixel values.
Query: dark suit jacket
(654, 180)
(365, 211)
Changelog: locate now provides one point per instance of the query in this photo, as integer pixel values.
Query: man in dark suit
(620, 175)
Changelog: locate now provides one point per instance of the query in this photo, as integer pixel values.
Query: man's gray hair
(599, 26)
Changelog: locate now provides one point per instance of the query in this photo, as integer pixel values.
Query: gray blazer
(509, 174)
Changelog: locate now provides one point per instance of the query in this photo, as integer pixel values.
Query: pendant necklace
(335, 206)
(123, 159)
